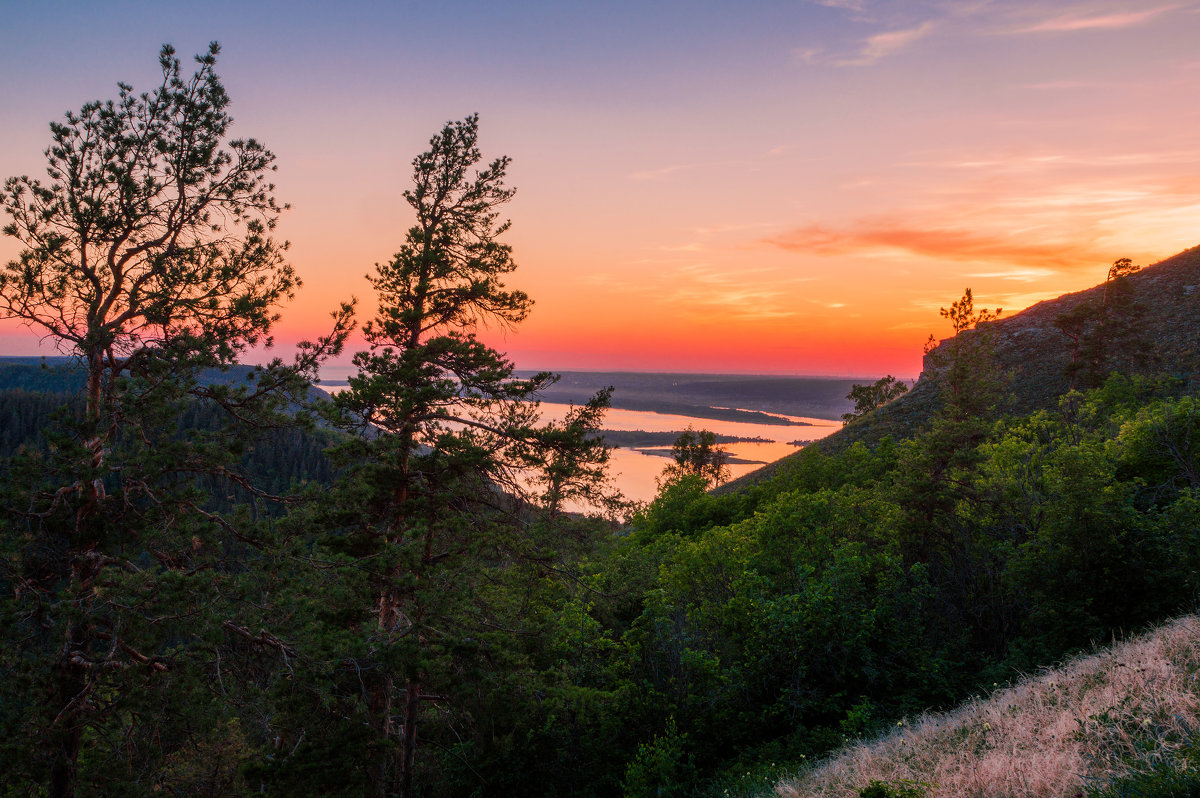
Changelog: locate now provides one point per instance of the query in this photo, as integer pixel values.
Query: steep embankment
(1132, 709)
(1158, 331)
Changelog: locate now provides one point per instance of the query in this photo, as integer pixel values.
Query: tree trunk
(380, 706)
(95, 376)
(381, 710)
(66, 731)
(408, 751)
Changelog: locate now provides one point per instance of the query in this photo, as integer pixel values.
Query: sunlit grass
(1074, 730)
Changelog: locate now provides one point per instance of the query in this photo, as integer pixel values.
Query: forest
(237, 585)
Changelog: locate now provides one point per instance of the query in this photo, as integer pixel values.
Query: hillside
(1130, 709)
(64, 375)
(34, 390)
(1159, 332)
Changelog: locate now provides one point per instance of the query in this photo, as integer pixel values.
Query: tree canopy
(147, 256)
(696, 453)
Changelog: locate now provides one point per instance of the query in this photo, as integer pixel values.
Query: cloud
(888, 43)
(1066, 85)
(729, 228)
(656, 174)
(871, 50)
(1020, 275)
(849, 5)
(938, 243)
(663, 171)
(705, 290)
(1069, 23)
(809, 55)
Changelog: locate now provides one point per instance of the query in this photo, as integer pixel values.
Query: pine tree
(147, 256)
(451, 473)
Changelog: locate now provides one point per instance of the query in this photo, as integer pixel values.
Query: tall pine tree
(451, 475)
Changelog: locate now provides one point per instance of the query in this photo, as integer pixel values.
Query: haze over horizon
(787, 188)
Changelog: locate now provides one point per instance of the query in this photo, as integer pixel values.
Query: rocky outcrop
(1159, 332)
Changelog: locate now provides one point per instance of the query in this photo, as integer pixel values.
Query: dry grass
(1052, 734)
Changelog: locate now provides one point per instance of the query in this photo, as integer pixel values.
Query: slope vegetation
(1129, 711)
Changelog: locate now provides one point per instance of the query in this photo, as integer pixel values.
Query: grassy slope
(1126, 709)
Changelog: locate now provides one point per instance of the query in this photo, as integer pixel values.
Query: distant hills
(64, 375)
(726, 397)
(1159, 332)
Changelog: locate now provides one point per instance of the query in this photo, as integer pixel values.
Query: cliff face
(1153, 326)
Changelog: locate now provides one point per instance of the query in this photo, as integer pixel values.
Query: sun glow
(793, 189)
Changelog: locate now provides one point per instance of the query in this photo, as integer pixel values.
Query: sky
(791, 187)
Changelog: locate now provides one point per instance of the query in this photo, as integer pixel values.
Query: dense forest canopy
(216, 582)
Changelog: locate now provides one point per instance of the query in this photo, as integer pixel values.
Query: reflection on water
(634, 473)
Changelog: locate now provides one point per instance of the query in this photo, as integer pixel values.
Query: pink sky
(785, 187)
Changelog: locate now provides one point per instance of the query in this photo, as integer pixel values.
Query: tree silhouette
(147, 256)
(696, 453)
(867, 398)
(1108, 332)
(450, 458)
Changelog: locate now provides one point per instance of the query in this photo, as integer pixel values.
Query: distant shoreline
(761, 399)
(669, 408)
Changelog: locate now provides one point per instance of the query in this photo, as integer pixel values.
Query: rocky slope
(1154, 328)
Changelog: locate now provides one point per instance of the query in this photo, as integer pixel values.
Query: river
(634, 472)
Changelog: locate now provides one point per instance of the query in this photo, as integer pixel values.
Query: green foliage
(853, 589)
(1172, 776)
(147, 257)
(903, 788)
(867, 398)
(153, 231)
(964, 367)
(662, 767)
(429, 616)
(452, 490)
(696, 454)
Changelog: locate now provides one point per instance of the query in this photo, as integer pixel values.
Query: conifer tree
(970, 385)
(450, 462)
(147, 256)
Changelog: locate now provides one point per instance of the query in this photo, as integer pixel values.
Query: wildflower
(987, 727)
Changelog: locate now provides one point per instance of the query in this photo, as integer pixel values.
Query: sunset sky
(775, 187)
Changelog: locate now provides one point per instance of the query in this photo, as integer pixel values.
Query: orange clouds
(943, 243)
